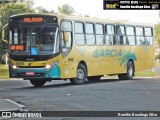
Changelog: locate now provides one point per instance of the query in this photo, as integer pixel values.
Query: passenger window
(140, 36)
(89, 28)
(148, 32)
(130, 32)
(99, 34)
(148, 36)
(110, 29)
(109, 40)
(139, 31)
(90, 36)
(109, 35)
(131, 40)
(79, 33)
(140, 40)
(121, 38)
(149, 40)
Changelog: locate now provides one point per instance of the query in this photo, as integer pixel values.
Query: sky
(94, 8)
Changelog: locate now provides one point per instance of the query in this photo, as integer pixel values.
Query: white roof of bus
(92, 19)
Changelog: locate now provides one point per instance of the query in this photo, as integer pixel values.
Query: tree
(41, 10)
(65, 8)
(10, 9)
(157, 39)
(157, 33)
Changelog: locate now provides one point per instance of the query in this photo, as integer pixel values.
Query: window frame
(106, 34)
(134, 29)
(152, 35)
(124, 35)
(139, 35)
(90, 33)
(103, 34)
(77, 21)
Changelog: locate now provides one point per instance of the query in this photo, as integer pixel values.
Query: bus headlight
(14, 67)
(48, 66)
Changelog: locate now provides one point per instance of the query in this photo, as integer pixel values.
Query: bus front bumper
(53, 72)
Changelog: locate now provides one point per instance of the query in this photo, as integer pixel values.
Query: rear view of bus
(34, 48)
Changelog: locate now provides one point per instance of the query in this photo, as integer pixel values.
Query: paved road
(106, 95)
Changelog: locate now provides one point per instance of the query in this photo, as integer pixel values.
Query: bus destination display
(17, 47)
(132, 5)
(33, 19)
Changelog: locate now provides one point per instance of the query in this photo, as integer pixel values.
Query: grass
(145, 73)
(157, 64)
(4, 72)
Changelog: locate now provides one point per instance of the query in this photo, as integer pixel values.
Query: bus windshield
(24, 37)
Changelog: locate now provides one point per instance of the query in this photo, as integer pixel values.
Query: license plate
(30, 73)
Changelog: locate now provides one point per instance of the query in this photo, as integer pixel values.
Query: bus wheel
(38, 83)
(94, 78)
(81, 75)
(129, 74)
(121, 76)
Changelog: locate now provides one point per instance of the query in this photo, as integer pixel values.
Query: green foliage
(65, 8)
(157, 33)
(4, 72)
(42, 10)
(157, 64)
(10, 9)
(145, 74)
(157, 57)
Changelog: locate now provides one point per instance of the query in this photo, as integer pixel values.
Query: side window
(99, 34)
(139, 31)
(121, 35)
(66, 28)
(148, 36)
(140, 36)
(130, 38)
(109, 35)
(79, 33)
(90, 36)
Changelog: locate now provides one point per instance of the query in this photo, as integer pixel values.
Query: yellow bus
(45, 47)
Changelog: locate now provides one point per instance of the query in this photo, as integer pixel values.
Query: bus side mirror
(66, 37)
(4, 33)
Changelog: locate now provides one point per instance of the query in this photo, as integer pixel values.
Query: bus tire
(37, 83)
(129, 74)
(81, 75)
(94, 78)
(121, 76)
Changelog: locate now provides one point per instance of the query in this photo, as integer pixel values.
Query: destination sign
(17, 47)
(33, 19)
